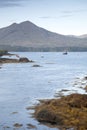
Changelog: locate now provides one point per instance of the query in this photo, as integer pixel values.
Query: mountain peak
(27, 23)
(13, 25)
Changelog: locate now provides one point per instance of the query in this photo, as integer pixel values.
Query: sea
(22, 85)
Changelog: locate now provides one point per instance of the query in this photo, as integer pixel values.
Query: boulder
(36, 65)
(24, 59)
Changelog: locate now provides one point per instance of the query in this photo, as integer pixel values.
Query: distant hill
(83, 36)
(26, 36)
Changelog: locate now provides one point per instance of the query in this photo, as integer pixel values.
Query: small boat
(65, 53)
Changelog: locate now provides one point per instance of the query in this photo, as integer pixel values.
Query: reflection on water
(0, 65)
(21, 85)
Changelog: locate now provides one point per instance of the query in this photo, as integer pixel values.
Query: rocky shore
(20, 60)
(67, 112)
(12, 60)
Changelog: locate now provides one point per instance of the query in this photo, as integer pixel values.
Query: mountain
(27, 36)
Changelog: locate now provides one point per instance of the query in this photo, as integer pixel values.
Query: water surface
(21, 85)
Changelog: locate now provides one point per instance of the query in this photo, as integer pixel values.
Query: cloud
(74, 11)
(67, 12)
(56, 17)
(66, 15)
(70, 13)
(46, 17)
(11, 3)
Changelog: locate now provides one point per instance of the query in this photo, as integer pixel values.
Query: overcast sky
(61, 16)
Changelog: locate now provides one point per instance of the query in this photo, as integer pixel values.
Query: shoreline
(64, 112)
(20, 60)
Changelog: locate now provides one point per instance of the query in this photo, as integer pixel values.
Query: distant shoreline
(42, 49)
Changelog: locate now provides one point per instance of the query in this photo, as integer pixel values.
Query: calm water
(21, 85)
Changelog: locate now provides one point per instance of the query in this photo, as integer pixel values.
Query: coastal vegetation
(65, 113)
(3, 52)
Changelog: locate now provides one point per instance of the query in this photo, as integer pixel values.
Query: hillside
(26, 36)
(83, 36)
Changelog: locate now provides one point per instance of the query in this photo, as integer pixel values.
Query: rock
(7, 60)
(85, 88)
(6, 127)
(85, 78)
(18, 125)
(30, 126)
(24, 59)
(36, 65)
(14, 113)
(21, 60)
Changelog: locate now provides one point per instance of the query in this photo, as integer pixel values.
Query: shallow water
(21, 85)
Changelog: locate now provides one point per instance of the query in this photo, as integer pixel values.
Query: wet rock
(18, 125)
(6, 127)
(36, 65)
(49, 117)
(24, 59)
(30, 126)
(8, 60)
(85, 77)
(14, 113)
(64, 90)
(85, 88)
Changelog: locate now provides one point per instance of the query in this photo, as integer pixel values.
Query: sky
(68, 17)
